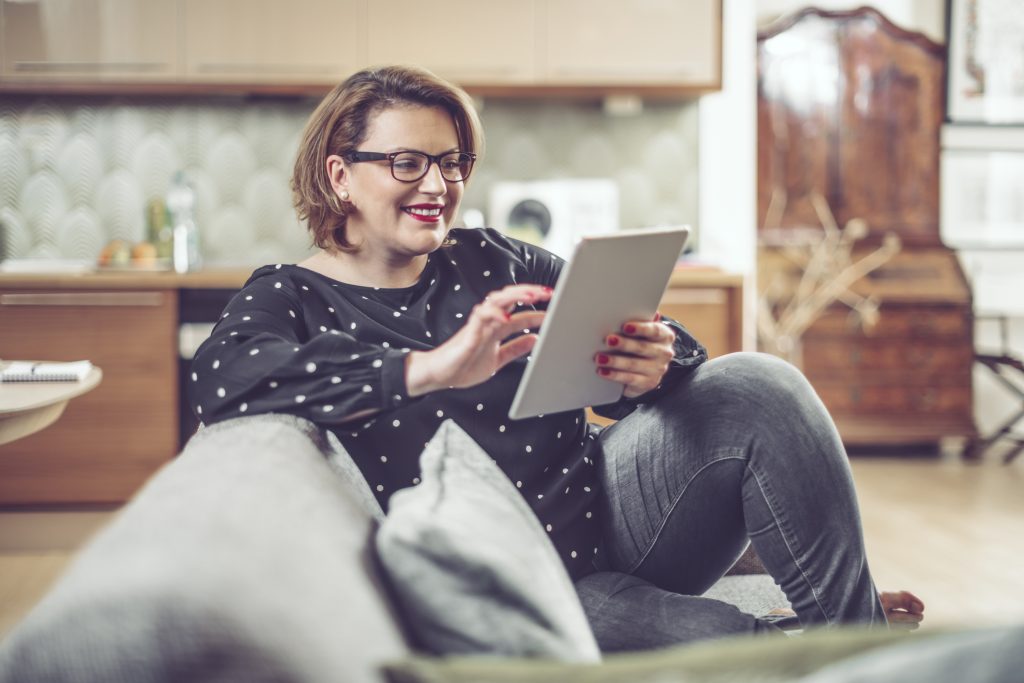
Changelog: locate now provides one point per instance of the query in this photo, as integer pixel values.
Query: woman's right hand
(477, 351)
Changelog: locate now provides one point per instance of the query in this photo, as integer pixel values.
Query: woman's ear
(337, 172)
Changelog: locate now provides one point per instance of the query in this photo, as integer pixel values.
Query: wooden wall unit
(850, 108)
(111, 439)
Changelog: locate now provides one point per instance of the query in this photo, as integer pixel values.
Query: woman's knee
(759, 377)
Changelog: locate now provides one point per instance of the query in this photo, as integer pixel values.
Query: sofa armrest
(246, 558)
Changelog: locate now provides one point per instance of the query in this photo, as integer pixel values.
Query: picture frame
(985, 68)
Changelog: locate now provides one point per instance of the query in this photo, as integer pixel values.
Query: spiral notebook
(25, 371)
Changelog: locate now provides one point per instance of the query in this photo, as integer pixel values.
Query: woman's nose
(433, 182)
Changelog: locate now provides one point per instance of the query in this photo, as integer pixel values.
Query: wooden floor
(950, 532)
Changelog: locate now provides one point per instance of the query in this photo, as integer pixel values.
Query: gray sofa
(248, 558)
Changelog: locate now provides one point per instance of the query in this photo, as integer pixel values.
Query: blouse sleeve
(260, 358)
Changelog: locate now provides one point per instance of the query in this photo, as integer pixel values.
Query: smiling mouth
(422, 212)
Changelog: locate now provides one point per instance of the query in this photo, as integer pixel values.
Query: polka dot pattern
(335, 350)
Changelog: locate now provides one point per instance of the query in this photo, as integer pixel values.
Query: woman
(400, 322)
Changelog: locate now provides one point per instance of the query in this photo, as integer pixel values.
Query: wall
(75, 173)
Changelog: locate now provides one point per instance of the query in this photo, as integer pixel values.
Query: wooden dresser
(849, 109)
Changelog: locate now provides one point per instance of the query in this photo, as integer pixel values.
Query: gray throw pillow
(471, 565)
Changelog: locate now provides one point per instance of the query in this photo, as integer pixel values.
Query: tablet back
(610, 279)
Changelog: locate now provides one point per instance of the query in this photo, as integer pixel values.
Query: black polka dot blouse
(298, 342)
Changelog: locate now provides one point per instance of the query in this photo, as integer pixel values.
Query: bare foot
(903, 609)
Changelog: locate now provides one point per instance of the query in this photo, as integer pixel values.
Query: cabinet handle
(621, 70)
(244, 67)
(84, 299)
(89, 67)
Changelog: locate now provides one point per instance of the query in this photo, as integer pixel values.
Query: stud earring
(344, 195)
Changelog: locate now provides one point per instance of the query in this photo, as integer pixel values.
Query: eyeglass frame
(358, 157)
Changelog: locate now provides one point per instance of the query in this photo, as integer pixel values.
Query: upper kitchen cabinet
(470, 42)
(270, 41)
(666, 43)
(89, 40)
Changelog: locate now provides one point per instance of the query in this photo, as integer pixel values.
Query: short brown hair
(339, 125)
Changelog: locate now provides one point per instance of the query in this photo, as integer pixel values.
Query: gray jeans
(741, 449)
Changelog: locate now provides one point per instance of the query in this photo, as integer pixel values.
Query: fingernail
(604, 371)
(548, 290)
(613, 341)
(508, 316)
(629, 328)
(657, 317)
(602, 358)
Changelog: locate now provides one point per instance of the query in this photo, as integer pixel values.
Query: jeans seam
(762, 486)
(671, 508)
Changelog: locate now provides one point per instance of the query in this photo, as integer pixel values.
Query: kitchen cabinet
(511, 48)
(644, 42)
(89, 40)
(710, 305)
(471, 42)
(308, 41)
(110, 440)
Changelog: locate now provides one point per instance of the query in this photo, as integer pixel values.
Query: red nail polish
(613, 341)
(548, 290)
(629, 328)
(602, 358)
(508, 316)
(604, 371)
(657, 317)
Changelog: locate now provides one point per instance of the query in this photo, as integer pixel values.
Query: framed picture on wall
(986, 61)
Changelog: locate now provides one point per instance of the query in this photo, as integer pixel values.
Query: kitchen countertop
(234, 278)
(211, 278)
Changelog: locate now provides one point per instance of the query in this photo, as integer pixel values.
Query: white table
(27, 407)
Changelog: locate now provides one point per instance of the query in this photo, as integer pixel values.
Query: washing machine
(554, 214)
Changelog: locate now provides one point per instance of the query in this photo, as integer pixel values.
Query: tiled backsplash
(77, 173)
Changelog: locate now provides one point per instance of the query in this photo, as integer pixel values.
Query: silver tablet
(610, 279)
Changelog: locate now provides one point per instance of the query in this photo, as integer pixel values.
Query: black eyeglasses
(408, 167)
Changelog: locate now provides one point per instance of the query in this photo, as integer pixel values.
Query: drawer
(916, 361)
(894, 400)
(110, 440)
(714, 315)
(897, 322)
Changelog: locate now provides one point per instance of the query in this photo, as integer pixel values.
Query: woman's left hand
(638, 356)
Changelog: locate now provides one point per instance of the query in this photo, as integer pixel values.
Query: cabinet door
(89, 40)
(468, 41)
(643, 42)
(270, 41)
(111, 439)
(714, 315)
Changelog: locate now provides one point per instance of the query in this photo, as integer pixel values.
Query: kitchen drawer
(111, 439)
